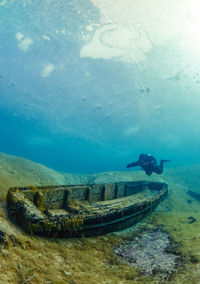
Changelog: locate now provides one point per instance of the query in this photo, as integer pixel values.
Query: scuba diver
(149, 164)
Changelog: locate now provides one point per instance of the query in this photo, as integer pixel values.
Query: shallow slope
(18, 171)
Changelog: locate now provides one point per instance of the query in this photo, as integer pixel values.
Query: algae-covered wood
(82, 210)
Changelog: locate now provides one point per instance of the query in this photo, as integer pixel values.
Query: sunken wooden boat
(83, 210)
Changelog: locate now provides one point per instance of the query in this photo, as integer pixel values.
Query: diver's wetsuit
(149, 164)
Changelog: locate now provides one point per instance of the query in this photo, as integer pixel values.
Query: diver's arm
(134, 164)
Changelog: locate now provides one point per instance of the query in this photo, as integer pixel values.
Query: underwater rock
(191, 220)
(7, 234)
(150, 253)
(4, 237)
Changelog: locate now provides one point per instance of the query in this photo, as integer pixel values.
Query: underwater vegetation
(26, 258)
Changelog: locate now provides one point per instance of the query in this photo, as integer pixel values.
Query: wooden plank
(194, 194)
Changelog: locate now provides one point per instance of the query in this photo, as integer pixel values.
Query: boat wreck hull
(83, 210)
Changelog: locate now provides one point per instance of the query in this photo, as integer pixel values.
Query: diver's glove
(128, 166)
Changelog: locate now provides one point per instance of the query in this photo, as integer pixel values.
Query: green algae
(39, 198)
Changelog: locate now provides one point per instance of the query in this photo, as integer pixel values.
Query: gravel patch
(150, 253)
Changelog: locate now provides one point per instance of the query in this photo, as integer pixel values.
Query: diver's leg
(159, 169)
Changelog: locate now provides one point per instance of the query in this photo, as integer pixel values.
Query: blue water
(90, 114)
